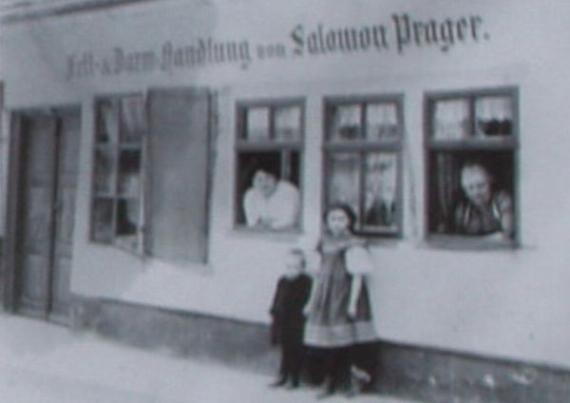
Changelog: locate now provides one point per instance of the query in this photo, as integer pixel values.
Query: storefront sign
(401, 35)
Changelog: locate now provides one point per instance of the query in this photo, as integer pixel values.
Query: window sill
(469, 243)
(284, 235)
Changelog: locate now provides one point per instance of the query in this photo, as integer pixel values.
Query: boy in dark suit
(291, 295)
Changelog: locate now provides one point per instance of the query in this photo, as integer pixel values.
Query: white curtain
(488, 108)
(451, 119)
(288, 123)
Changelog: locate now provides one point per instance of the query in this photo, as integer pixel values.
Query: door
(48, 150)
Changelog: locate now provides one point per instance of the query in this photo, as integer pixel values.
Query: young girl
(338, 309)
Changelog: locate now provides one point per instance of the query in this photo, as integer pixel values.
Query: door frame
(11, 282)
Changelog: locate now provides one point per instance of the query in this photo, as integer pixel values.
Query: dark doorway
(44, 153)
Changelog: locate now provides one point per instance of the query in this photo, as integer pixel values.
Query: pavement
(45, 363)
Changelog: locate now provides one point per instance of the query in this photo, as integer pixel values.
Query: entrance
(41, 205)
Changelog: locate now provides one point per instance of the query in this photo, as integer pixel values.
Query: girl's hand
(307, 310)
(351, 311)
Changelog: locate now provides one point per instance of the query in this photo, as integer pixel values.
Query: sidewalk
(44, 363)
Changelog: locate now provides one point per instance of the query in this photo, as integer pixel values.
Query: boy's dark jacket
(290, 298)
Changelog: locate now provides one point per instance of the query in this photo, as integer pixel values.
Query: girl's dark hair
(346, 209)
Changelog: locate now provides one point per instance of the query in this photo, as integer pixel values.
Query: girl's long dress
(328, 323)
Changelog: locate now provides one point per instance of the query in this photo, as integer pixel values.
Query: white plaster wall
(511, 304)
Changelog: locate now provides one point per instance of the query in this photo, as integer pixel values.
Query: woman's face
(337, 222)
(265, 183)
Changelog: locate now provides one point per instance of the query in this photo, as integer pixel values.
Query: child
(290, 298)
(339, 316)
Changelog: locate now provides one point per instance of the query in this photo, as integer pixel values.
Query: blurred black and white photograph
(221, 201)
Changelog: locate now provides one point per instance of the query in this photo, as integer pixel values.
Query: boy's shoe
(279, 382)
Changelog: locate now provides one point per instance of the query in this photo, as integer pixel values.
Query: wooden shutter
(177, 180)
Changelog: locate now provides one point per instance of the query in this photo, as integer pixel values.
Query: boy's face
(293, 265)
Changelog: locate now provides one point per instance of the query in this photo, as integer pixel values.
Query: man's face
(265, 183)
(477, 186)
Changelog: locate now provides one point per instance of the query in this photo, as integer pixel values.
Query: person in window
(484, 212)
(271, 203)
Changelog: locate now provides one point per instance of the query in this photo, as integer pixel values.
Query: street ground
(46, 363)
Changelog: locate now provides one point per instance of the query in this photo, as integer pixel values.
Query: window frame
(141, 231)
(363, 147)
(510, 144)
(241, 145)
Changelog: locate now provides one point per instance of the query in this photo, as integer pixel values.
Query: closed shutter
(176, 202)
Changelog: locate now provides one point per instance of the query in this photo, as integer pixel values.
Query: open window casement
(151, 174)
(178, 169)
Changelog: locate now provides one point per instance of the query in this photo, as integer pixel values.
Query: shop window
(471, 157)
(144, 200)
(118, 197)
(268, 154)
(363, 143)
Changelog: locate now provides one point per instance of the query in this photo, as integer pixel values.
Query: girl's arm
(311, 301)
(358, 264)
(355, 288)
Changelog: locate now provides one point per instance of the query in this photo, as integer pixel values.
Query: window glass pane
(129, 173)
(451, 119)
(494, 116)
(128, 217)
(381, 191)
(344, 180)
(346, 123)
(288, 123)
(257, 124)
(102, 225)
(104, 168)
(133, 119)
(381, 121)
(444, 190)
(107, 122)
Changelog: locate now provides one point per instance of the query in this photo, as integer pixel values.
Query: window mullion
(362, 188)
(472, 121)
(272, 124)
(285, 165)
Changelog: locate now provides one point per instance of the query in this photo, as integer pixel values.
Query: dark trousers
(292, 358)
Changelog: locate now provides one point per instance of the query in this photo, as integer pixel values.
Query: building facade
(134, 130)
